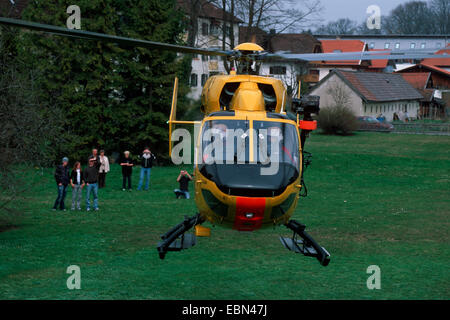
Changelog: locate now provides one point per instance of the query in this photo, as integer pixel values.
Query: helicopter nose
(249, 213)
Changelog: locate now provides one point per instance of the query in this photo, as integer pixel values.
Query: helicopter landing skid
(176, 240)
(306, 246)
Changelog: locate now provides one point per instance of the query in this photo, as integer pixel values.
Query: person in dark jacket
(127, 169)
(90, 175)
(183, 179)
(147, 159)
(96, 157)
(62, 180)
(77, 183)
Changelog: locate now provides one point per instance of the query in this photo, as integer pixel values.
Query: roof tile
(374, 86)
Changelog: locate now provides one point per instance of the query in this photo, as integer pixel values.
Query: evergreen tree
(115, 97)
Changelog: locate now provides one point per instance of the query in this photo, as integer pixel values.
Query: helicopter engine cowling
(248, 97)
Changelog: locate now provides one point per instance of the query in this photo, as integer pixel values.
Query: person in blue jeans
(183, 179)
(90, 175)
(62, 181)
(147, 159)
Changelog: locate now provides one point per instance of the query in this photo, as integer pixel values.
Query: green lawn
(374, 199)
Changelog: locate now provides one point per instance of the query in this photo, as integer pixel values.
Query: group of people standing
(93, 177)
(147, 158)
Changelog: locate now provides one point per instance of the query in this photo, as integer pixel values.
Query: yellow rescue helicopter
(250, 156)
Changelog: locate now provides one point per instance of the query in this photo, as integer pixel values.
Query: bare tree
(193, 9)
(228, 10)
(340, 95)
(414, 17)
(441, 15)
(340, 26)
(278, 15)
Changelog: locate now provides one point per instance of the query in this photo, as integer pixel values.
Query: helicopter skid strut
(176, 240)
(307, 245)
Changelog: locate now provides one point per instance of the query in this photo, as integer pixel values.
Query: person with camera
(147, 159)
(183, 179)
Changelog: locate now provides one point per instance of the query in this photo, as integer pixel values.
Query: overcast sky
(354, 9)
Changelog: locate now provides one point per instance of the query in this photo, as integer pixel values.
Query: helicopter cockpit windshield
(250, 157)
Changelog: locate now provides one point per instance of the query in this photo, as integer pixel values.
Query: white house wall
(361, 108)
(389, 108)
(212, 65)
(327, 100)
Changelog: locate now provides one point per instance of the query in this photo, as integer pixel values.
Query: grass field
(374, 199)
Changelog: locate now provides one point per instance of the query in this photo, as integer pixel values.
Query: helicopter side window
(277, 142)
(225, 142)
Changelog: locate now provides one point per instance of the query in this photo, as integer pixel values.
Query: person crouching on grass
(77, 183)
(183, 178)
(91, 179)
(127, 169)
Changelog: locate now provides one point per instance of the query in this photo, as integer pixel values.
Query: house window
(194, 80)
(213, 58)
(397, 45)
(386, 45)
(372, 45)
(204, 58)
(214, 30)
(228, 31)
(204, 78)
(277, 70)
(423, 45)
(413, 45)
(204, 29)
(315, 72)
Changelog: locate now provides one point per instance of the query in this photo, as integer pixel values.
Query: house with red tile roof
(339, 45)
(431, 106)
(443, 63)
(369, 93)
(381, 65)
(436, 88)
(440, 77)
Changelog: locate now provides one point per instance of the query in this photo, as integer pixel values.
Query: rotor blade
(346, 56)
(109, 38)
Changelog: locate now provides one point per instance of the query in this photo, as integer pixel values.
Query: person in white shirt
(77, 183)
(103, 170)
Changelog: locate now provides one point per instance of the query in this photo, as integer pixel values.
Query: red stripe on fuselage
(245, 206)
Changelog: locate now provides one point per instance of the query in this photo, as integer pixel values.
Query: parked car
(371, 124)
